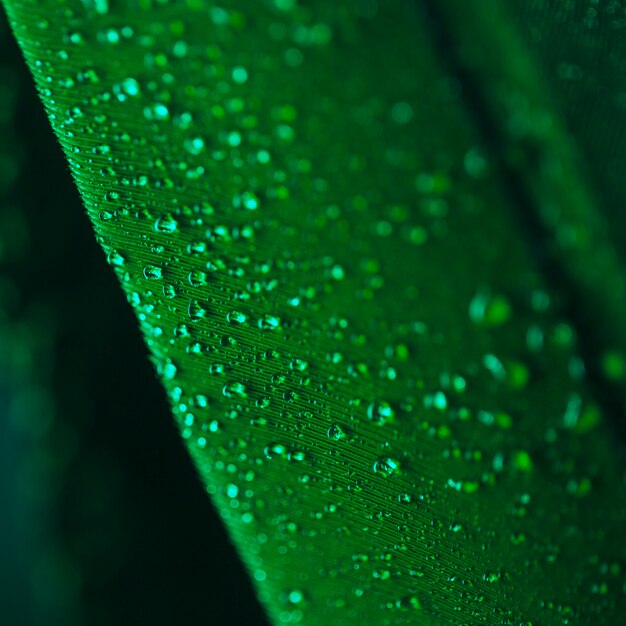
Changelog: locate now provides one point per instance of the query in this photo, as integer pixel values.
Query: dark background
(102, 517)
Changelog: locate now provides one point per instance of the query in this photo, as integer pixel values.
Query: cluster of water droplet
(376, 386)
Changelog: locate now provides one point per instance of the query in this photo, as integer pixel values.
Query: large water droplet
(386, 466)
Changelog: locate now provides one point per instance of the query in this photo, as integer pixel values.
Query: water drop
(195, 310)
(269, 322)
(194, 145)
(197, 278)
(386, 466)
(274, 450)
(298, 365)
(380, 412)
(236, 317)
(234, 390)
(336, 433)
(152, 272)
(165, 224)
(295, 596)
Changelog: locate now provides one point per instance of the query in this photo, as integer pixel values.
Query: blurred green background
(102, 518)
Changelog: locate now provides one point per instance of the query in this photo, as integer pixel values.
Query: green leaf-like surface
(320, 237)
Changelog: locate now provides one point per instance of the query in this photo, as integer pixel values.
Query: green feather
(326, 216)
